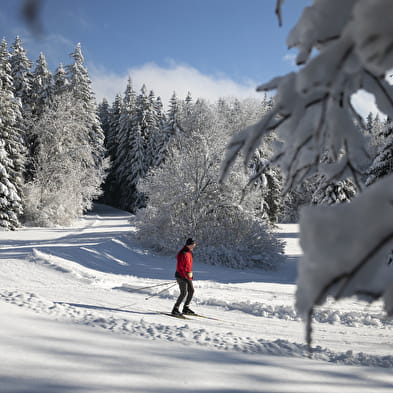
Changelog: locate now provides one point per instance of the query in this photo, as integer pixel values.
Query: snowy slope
(82, 325)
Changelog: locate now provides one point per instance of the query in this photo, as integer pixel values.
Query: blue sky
(210, 47)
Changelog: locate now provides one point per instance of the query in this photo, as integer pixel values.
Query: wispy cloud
(290, 58)
(180, 78)
(55, 47)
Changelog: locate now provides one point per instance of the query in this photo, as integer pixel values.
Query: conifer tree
(10, 203)
(41, 96)
(41, 88)
(103, 111)
(153, 132)
(80, 87)
(331, 192)
(109, 118)
(369, 123)
(6, 78)
(112, 137)
(269, 182)
(161, 143)
(383, 162)
(12, 149)
(121, 165)
(172, 127)
(60, 81)
(137, 158)
(133, 138)
(21, 75)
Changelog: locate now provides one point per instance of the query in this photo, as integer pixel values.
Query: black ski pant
(186, 289)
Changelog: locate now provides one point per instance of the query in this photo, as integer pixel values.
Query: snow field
(89, 276)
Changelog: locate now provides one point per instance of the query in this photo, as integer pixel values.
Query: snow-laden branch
(345, 247)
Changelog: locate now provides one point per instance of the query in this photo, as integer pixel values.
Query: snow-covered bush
(66, 179)
(185, 199)
(345, 246)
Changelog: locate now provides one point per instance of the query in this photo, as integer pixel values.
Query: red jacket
(184, 262)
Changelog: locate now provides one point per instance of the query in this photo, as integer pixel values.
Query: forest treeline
(60, 151)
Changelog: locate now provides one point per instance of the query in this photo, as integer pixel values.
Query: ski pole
(149, 297)
(152, 286)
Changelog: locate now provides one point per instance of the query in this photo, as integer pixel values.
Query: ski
(203, 316)
(174, 316)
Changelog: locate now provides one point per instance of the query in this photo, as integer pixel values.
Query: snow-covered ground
(84, 325)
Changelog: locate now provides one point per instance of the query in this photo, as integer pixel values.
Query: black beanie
(189, 241)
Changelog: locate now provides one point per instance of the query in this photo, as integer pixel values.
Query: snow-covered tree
(153, 133)
(268, 181)
(112, 137)
(161, 142)
(41, 95)
(6, 78)
(103, 111)
(375, 130)
(80, 86)
(185, 199)
(173, 127)
(21, 74)
(41, 87)
(13, 162)
(60, 82)
(383, 162)
(66, 179)
(10, 202)
(111, 127)
(124, 145)
(330, 192)
(313, 113)
(137, 164)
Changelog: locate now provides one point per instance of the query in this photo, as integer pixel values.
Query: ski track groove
(258, 309)
(186, 333)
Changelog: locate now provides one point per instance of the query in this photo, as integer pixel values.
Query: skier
(184, 278)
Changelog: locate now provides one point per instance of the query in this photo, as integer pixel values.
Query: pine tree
(21, 75)
(41, 96)
(153, 132)
(369, 123)
(41, 88)
(173, 127)
(103, 111)
(10, 203)
(268, 181)
(12, 149)
(330, 192)
(106, 115)
(134, 132)
(137, 158)
(123, 146)
(333, 192)
(60, 81)
(383, 162)
(80, 87)
(112, 137)
(22, 80)
(161, 143)
(6, 78)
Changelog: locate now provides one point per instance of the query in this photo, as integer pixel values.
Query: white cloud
(165, 80)
(364, 103)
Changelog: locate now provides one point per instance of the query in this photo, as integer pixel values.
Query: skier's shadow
(102, 308)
